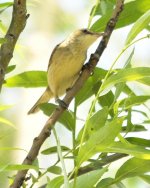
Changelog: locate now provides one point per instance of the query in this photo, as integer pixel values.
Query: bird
(65, 65)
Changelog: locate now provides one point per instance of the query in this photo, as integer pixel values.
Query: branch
(46, 131)
(97, 164)
(17, 25)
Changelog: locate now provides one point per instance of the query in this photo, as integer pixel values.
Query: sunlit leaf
(17, 167)
(138, 26)
(28, 79)
(146, 178)
(5, 107)
(7, 122)
(53, 150)
(56, 182)
(124, 75)
(89, 179)
(11, 148)
(96, 121)
(4, 5)
(104, 183)
(132, 167)
(131, 149)
(127, 17)
(99, 140)
(133, 101)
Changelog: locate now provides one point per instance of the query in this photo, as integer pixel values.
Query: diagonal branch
(17, 25)
(46, 131)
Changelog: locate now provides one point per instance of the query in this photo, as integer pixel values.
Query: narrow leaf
(138, 26)
(138, 141)
(132, 167)
(56, 182)
(7, 122)
(53, 150)
(19, 167)
(5, 107)
(96, 121)
(89, 179)
(130, 74)
(127, 17)
(133, 101)
(28, 79)
(134, 150)
(99, 140)
(146, 178)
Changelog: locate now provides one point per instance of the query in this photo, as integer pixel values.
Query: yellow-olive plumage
(65, 64)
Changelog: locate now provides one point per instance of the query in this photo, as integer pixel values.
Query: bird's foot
(61, 103)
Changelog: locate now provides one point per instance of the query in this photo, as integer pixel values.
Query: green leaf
(5, 107)
(7, 122)
(11, 148)
(96, 121)
(10, 68)
(146, 178)
(104, 183)
(18, 167)
(130, 74)
(67, 118)
(127, 17)
(132, 167)
(133, 101)
(134, 150)
(145, 81)
(56, 182)
(91, 86)
(136, 128)
(106, 100)
(138, 141)
(99, 140)
(4, 5)
(53, 150)
(139, 25)
(55, 170)
(28, 79)
(89, 179)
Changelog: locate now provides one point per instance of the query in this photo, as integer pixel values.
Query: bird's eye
(85, 31)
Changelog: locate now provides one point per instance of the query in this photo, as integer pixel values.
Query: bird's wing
(52, 54)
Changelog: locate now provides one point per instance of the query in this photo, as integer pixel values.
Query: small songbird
(65, 64)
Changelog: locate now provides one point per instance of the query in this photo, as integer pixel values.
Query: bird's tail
(43, 99)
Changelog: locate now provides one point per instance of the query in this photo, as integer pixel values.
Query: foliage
(106, 130)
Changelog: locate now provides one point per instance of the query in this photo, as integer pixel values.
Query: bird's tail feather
(43, 99)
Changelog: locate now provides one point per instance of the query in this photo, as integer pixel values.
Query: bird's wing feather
(52, 54)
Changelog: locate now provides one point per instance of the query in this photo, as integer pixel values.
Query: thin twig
(46, 131)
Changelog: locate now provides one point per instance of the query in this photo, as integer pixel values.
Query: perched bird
(65, 64)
